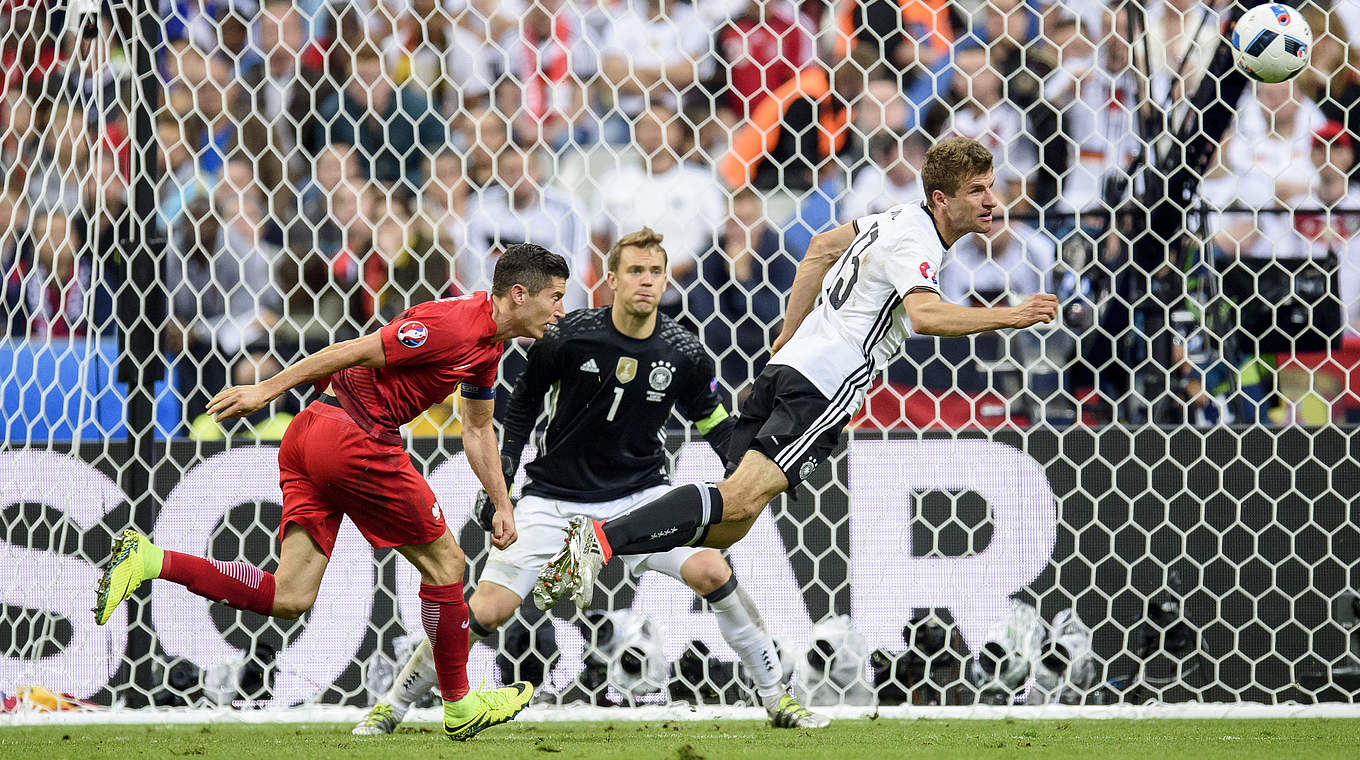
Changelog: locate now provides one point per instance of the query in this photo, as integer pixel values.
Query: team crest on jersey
(807, 469)
(412, 334)
(929, 273)
(660, 376)
(626, 369)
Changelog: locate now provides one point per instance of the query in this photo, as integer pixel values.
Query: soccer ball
(1271, 43)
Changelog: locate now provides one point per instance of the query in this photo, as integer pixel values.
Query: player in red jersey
(343, 455)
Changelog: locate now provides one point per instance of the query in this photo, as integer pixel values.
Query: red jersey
(763, 56)
(430, 349)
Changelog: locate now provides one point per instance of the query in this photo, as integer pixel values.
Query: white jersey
(859, 322)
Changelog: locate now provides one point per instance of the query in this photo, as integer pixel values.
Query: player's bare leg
(745, 493)
(298, 579)
(691, 515)
(489, 607)
(444, 613)
(742, 627)
(286, 593)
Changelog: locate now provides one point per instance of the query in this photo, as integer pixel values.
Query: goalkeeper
(615, 373)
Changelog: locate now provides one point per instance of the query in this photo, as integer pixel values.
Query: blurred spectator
(654, 51)
(313, 278)
(1096, 92)
(222, 289)
(746, 276)
(442, 49)
(29, 53)
(203, 97)
(393, 127)
(1266, 158)
(446, 204)
(57, 294)
(795, 136)
(547, 59)
(1182, 37)
(1010, 263)
(13, 230)
(1332, 79)
(267, 424)
(683, 202)
(883, 108)
(336, 166)
(488, 134)
(1326, 222)
(909, 36)
(891, 178)
(202, 22)
(1021, 58)
(391, 269)
(60, 160)
(977, 110)
(104, 198)
(519, 208)
(760, 49)
(1323, 226)
(281, 91)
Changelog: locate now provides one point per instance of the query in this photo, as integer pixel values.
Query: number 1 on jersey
(614, 407)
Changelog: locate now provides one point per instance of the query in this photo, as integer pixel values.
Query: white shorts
(542, 524)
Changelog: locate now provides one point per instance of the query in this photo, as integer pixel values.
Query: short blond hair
(949, 162)
(645, 238)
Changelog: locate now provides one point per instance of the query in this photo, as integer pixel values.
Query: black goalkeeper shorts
(788, 420)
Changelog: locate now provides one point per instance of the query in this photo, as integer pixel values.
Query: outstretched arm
(242, 400)
(931, 316)
(823, 252)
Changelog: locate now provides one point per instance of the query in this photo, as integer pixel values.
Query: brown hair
(949, 162)
(527, 264)
(645, 238)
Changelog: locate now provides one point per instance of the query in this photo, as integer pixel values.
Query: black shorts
(788, 420)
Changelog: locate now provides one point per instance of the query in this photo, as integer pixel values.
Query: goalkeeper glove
(483, 509)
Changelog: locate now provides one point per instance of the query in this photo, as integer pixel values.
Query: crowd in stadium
(326, 165)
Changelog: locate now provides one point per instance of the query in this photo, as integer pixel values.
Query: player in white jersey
(860, 291)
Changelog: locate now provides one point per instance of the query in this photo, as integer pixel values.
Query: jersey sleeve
(701, 402)
(480, 385)
(911, 265)
(699, 399)
(426, 334)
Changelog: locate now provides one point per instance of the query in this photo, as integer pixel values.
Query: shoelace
(379, 715)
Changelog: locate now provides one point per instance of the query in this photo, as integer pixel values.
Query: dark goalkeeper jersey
(609, 399)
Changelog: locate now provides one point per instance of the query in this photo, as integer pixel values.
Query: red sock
(605, 548)
(445, 616)
(237, 584)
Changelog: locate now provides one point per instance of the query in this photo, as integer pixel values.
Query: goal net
(1152, 499)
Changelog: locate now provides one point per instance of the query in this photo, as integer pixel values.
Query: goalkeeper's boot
(481, 710)
(382, 718)
(573, 569)
(133, 560)
(786, 712)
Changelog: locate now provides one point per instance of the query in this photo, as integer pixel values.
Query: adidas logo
(590, 366)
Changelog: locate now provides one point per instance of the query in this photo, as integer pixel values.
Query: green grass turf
(1313, 739)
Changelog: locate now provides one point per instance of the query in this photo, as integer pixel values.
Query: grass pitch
(1312, 739)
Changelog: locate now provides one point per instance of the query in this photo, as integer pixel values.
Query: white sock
(418, 677)
(414, 681)
(744, 630)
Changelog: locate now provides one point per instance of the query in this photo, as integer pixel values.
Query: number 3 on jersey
(839, 292)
